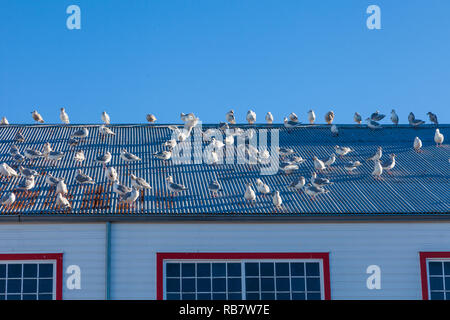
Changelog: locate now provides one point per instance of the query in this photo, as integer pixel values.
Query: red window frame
(58, 257)
(161, 256)
(424, 256)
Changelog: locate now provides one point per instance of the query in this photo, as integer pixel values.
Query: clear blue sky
(131, 58)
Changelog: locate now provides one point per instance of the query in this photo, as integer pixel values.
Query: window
(30, 276)
(435, 274)
(243, 276)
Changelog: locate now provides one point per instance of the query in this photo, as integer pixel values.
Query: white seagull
(7, 171)
(298, 183)
(37, 117)
(438, 138)
(111, 174)
(151, 118)
(249, 194)
(318, 164)
(105, 131)
(269, 118)
(389, 164)
(105, 118)
(139, 183)
(311, 116)
(277, 201)
(4, 121)
(394, 117)
(62, 202)
(357, 118)
(377, 170)
(262, 187)
(230, 117)
(377, 156)
(342, 151)
(8, 199)
(64, 116)
(417, 144)
(329, 117)
(174, 188)
(251, 117)
(351, 166)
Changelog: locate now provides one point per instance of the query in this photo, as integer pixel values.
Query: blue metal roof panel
(419, 183)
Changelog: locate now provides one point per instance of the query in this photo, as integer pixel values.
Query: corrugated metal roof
(419, 183)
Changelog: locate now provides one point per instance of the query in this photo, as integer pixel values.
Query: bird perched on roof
(351, 166)
(79, 156)
(251, 117)
(377, 116)
(51, 180)
(62, 203)
(82, 178)
(8, 199)
(433, 117)
(19, 137)
(413, 121)
(373, 125)
(105, 118)
(262, 187)
(73, 142)
(27, 173)
(13, 150)
(18, 158)
(61, 187)
(298, 183)
(151, 118)
(394, 117)
(331, 159)
(37, 117)
(319, 182)
(289, 124)
(174, 188)
(334, 130)
(389, 164)
(311, 116)
(128, 156)
(130, 197)
(214, 187)
(54, 156)
(4, 121)
(105, 131)
(297, 159)
(32, 154)
(342, 151)
(212, 157)
(170, 143)
(276, 199)
(229, 139)
(249, 194)
(26, 184)
(64, 116)
(357, 118)
(293, 117)
(417, 144)
(230, 117)
(187, 117)
(139, 183)
(163, 155)
(80, 134)
(111, 174)
(313, 191)
(288, 167)
(120, 189)
(377, 156)
(318, 164)
(329, 117)
(377, 170)
(223, 126)
(104, 159)
(269, 117)
(438, 138)
(46, 148)
(7, 171)
(216, 143)
(284, 152)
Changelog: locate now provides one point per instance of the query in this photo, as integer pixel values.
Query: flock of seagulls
(289, 161)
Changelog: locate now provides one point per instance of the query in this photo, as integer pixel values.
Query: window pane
(436, 283)
(172, 296)
(2, 270)
(447, 268)
(267, 284)
(447, 295)
(219, 284)
(252, 284)
(435, 268)
(45, 285)
(203, 269)
(219, 296)
(267, 296)
(298, 284)
(14, 270)
(234, 269)
(14, 286)
(251, 269)
(188, 296)
(204, 296)
(188, 285)
(437, 296)
(283, 296)
(283, 284)
(30, 285)
(234, 285)
(13, 297)
(313, 296)
(188, 269)
(29, 297)
(252, 296)
(234, 296)
(298, 296)
(30, 270)
(2, 286)
(204, 285)
(313, 284)
(173, 285)
(2, 297)
(173, 269)
(282, 269)
(218, 269)
(447, 283)
(312, 269)
(46, 270)
(297, 269)
(267, 269)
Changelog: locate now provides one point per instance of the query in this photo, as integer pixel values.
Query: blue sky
(131, 58)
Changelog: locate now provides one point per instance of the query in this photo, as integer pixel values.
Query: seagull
(294, 159)
(46, 149)
(13, 150)
(357, 118)
(293, 117)
(216, 144)
(111, 174)
(212, 157)
(389, 164)
(174, 188)
(105, 118)
(417, 144)
(8, 199)
(7, 171)
(438, 138)
(329, 117)
(27, 173)
(170, 143)
(269, 118)
(32, 154)
(413, 121)
(79, 156)
(61, 187)
(334, 130)
(19, 137)
(230, 117)
(351, 166)
(163, 155)
(4, 121)
(251, 117)
(37, 117)
(288, 167)
(289, 124)
(208, 134)
(18, 157)
(318, 164)
(433, 117)
(298, 183)
(187, 117)
(262, 187)
(104, 159)
(377, 116)
(80, 133)
(319, 182)
(377, 170)
(130, 197)
(64, 116)
(313, 191)
(54, 155)
(377, 156)
(330, 160)
(394, 117)
(277, 200)
(62, 202)
(151, 118)
(249, 194)
(73, 142)
(229, 140)
(26, 184)
(105, 131)
(51, 180)
(128, 156)
(342, 151)
(82, 178)
(373, 124)
(223, 126)
(139, 183)
(120, 189)
(214, 187)
(311, 116)
(284, 152)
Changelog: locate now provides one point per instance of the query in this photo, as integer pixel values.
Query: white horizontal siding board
(81, 244)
